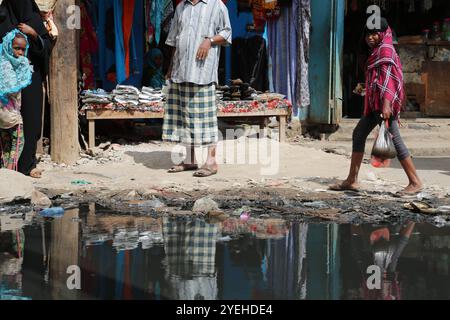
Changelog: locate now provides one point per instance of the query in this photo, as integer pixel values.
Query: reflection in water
(382, 247)
(125, 257)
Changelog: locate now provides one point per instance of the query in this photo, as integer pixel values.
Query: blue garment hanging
(137, 46)
(119, 45)
(106, 56)
(156, 14)
(115, 57)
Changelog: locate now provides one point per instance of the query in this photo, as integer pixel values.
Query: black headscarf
(6, 24)
(22, 11)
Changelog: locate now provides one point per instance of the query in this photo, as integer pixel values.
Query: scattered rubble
(40, 200)
(15, 186)
(205, 205)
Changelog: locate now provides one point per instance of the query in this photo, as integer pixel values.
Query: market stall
(99, 105)
(119, 76)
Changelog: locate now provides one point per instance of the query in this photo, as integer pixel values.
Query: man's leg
(189, 163)
(210, 167)
(211, 160)
(205, 127)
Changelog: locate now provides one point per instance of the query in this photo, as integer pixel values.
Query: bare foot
(345, 186)
(36, 174)
(413, 188)
(208, 169)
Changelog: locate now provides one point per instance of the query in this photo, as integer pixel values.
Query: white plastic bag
(383, 147)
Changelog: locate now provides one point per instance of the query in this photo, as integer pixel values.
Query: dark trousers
(365, 127)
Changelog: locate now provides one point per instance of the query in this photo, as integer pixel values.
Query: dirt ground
(285, 165)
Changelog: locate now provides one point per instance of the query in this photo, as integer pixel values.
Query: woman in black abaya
(25, 16)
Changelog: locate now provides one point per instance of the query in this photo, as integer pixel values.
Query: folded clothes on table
(96, 100)
(122, 89)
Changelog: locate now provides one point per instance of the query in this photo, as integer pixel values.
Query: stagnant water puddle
(174, 257)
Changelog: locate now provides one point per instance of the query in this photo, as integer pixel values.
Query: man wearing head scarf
(25, 16)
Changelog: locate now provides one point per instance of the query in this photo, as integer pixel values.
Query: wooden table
(102, 114)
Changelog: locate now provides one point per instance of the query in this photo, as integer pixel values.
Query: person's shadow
(153, 160)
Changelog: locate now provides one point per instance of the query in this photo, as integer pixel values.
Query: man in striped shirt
(199, 29)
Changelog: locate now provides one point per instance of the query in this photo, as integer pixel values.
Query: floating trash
(52, 212)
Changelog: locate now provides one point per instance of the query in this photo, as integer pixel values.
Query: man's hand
(202, 52)
(29, 31)
(387, 110)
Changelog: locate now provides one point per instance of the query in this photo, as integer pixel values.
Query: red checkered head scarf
(384, 77)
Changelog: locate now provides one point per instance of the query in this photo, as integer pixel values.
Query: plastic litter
(240, 211)
(224, 239)
(80, 182)
(245, 216)
(423, 196)
(316, 205)
(440, 222)
(52, 212)
(444, 209)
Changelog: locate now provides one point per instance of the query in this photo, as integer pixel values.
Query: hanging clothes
(259, 18)
(106, 46)
(282, 35)
(168, 12)
(127, 25)
(250, 62)
(303, 37)
(150, 31)
(156, 14)
(289, 51)
(137, 46)
(120, 64)
(88, 47)
(119, 42)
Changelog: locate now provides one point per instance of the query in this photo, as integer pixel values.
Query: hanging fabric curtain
(289, 51)
(119, 42)
(282, 35)
(88, 46)
(303, 36)
(127, 25)
(156, 14)
(137, 46)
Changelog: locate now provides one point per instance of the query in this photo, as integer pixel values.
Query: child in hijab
(15, 75)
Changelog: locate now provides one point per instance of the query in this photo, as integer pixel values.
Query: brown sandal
(205, 172)
(183, 167)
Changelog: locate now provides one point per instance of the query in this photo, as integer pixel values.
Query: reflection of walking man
(199, 28)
